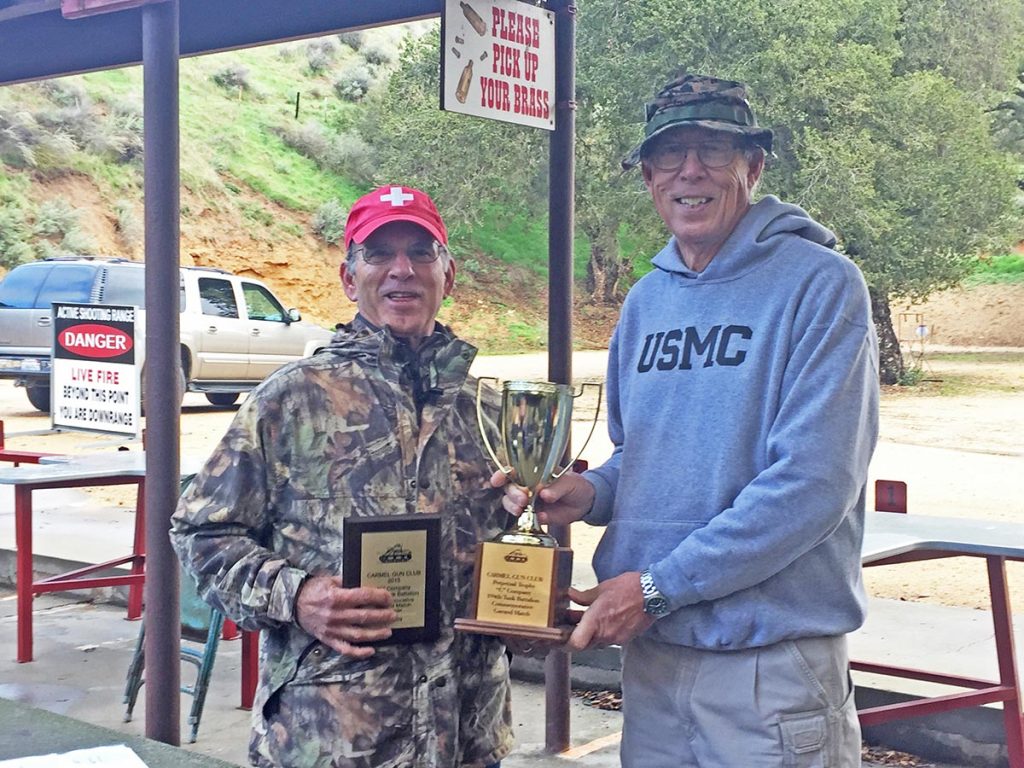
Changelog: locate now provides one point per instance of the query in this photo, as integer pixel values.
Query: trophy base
(557, 634)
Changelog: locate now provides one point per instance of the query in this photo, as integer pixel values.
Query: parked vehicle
(234, 330)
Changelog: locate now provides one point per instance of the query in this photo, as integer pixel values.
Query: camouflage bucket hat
(703, 102)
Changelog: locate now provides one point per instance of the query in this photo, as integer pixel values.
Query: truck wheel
(223, 399)
(39, 397)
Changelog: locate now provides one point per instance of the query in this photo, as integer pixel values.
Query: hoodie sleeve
(605, 478)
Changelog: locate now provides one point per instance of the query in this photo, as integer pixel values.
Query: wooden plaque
(521, 591)
(402, 554)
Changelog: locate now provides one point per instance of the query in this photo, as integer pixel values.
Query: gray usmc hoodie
(743, 409)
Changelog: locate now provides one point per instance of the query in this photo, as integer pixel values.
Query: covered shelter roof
(37, 42)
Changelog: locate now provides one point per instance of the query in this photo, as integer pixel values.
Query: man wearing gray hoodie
(743, 410)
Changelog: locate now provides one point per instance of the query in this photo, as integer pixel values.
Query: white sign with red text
(498, 61)
(94, 381)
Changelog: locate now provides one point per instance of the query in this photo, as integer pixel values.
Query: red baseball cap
(393, 203)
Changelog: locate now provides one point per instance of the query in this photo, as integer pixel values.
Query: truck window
(217, 297)
(124, 285)
(260, 304)
(37, 286)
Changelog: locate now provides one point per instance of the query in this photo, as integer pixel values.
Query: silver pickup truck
(234, 330)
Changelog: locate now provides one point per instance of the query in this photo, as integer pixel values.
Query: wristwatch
(655, 603)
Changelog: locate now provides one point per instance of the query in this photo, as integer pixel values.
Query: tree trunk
(604, 269)
(890, 356)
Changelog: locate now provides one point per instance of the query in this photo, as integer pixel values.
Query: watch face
(656, 606)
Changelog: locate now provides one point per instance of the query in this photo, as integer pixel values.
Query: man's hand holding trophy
(521, 585)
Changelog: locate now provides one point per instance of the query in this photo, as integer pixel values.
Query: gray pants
(788, 705)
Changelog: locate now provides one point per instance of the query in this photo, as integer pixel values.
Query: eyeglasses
(670, 155)
(417, 253)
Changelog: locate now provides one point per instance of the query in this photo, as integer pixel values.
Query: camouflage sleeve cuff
(282, 597)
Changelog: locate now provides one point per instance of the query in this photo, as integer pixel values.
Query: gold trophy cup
(521, 585)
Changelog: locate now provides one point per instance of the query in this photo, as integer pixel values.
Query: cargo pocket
(804, 738)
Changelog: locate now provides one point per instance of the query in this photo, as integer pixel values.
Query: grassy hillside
(264, 192)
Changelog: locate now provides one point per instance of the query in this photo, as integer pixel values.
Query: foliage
(24, 143)
(58, 226)
(329, 221)
(129, 228)
(233, 77)
(353, 39)
(378, 53)
(1008, 123)
(344, 153)
(320, 54)
(353, 82)
(966, 41)
(112, 131)
(467, 165)
(14, 226)
(1002, 268)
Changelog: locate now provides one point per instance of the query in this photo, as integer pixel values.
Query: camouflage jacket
(326, 438)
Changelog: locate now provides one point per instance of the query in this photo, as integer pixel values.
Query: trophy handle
(480, 424)
(590, 434)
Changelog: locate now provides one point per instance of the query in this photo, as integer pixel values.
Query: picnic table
(69, 471)
(901, 538)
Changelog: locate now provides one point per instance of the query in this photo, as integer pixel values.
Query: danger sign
(94, 378)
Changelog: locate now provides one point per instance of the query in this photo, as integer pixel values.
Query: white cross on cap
(396, 197)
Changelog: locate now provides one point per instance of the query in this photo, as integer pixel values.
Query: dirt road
(961, 454)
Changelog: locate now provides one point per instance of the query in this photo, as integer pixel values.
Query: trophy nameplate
(400, 553)
(522, 576)
(520, 591)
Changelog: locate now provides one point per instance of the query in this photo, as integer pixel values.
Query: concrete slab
(82, 654)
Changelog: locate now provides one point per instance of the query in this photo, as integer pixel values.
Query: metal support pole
(163, 620)
(561, 215)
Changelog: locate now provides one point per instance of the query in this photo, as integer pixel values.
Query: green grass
(1004, 268)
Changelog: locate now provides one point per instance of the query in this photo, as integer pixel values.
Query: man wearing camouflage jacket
(381, 423)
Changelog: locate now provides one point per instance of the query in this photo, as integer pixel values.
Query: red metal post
(250, 667)
(135, 591)
(1003, 626)
(23, 545)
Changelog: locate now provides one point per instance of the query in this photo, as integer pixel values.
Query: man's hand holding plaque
(521, 586)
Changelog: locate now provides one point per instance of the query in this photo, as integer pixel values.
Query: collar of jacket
(442, 360)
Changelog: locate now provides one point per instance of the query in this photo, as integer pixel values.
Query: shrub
(77, 242)
(129, 228)
(320, 54)
(64, 92)
(343, 153)
(233, 76)
(350, 155)
(117, 135)
(14, 235)
(353, 39)
(379, 53)
(329, 221)
(24, 143)
(55, 217)
(353, 82)
(309, 139)
(76, 120)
